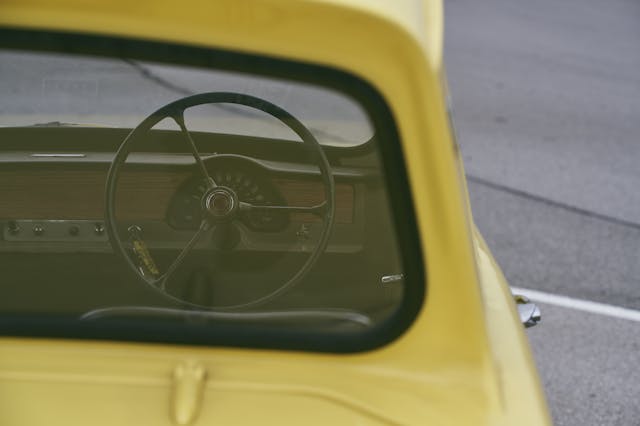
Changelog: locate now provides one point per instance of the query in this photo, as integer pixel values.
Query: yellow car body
(464, 360)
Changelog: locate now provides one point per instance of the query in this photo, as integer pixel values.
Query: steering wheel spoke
(162, 281)
(179, 119)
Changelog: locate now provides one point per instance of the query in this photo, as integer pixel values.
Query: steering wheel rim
(175, 110)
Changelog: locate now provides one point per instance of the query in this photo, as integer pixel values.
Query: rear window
(177, 194)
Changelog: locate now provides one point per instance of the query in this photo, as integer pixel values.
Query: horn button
(221, 203)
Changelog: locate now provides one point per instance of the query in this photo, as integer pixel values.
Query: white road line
(580, 305)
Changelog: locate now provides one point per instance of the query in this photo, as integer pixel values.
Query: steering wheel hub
(220, 203)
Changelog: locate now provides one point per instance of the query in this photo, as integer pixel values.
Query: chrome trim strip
(61, 155)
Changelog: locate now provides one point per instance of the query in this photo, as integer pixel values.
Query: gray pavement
(546, 97)
(548, 248)
(591, 372)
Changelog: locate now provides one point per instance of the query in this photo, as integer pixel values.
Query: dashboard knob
(98, 228)
(13, 227)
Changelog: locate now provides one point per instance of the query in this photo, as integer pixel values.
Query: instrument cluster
(251, 184)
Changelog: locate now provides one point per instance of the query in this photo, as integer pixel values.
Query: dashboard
(53, 201)
(52, 215)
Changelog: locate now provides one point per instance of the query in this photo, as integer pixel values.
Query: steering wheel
(219, 204)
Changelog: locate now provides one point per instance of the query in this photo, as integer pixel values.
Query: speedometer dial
(250, 184)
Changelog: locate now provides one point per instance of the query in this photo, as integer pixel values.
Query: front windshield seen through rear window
(55, 88)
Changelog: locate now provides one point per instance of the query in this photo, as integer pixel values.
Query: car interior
(170, 193)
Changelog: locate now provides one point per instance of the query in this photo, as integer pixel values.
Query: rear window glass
(200, 202)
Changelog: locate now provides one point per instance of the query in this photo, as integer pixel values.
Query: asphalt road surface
(546, 97)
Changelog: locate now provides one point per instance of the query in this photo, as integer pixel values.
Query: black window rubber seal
(259, 337)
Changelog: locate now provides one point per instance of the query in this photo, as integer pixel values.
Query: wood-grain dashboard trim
(141, 195)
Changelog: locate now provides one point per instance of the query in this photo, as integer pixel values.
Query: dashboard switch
(51, 231)
(304, 233)
(98, 228)
(38, 230)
